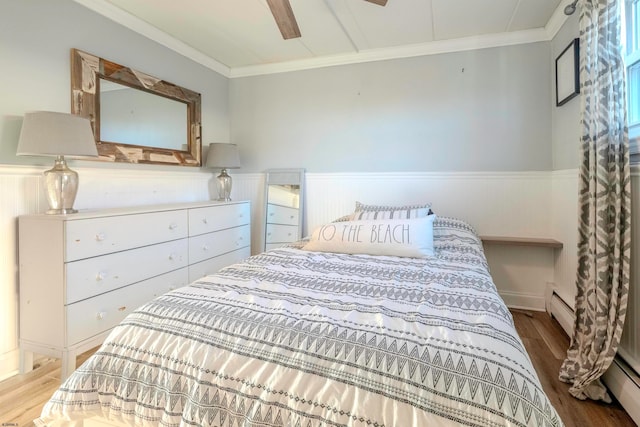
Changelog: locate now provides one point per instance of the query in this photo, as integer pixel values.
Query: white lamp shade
(223, 156)
(47, 133)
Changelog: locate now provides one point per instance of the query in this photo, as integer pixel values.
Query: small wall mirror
(284, 194)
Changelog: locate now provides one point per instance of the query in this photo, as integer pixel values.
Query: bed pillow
(343, 218)
(396, 237)
(390, 212)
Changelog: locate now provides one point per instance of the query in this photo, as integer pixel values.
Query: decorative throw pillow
(390, 212)
(397, 237)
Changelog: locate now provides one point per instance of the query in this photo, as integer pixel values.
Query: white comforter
(296, 338)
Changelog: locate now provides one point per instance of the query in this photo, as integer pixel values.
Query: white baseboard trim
(8, 364)
(523, 301)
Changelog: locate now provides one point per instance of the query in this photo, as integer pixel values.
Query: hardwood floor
(547, 344)
(22, 396)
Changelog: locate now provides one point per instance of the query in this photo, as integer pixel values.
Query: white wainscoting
(497, 203)
(564, 213)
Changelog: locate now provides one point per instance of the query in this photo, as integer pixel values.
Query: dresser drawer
(220, 242)
(281, 233)
(97, 275)
(277, 214)
(101, 313)
(97, 236)
(214, 218)
(212, 265)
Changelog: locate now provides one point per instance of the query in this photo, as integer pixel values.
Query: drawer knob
(271, 214)
(101, 276)
(100, 237)
(291, 217)
(173, 226)
(172, 257)
(101, 315)
(123, 308)
(205, 247)
(204, 220)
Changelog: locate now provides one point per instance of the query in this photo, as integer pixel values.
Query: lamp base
(61, 187)
(224, 186)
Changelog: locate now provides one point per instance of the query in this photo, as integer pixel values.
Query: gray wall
(565, 120)
(483, 110)
(35, 41)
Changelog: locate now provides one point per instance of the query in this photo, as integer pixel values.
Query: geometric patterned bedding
(297, 338)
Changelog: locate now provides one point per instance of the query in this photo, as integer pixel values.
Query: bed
(292, 337)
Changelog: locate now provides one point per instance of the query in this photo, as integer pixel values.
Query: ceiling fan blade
(283, 14)
(378, 2)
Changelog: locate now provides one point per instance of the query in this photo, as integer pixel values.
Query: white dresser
(81, 274)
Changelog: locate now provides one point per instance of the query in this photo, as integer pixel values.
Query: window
(631, 53)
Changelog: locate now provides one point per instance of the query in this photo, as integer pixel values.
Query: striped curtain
(604, 203)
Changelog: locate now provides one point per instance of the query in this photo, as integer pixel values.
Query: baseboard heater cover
(621, 380)
(563, 313)
(624, 384)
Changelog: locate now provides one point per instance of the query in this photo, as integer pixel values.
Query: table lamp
(223, 156)
(47, 133)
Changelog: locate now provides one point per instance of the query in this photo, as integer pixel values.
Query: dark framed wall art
(568, 73)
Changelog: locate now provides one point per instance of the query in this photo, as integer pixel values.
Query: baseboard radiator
(621, 379)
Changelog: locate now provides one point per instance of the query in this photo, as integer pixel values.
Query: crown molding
(139, 26)
(407, 51)
(133, 23)
(557, 20)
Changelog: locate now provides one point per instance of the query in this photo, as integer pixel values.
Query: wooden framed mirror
(284, 194)
(136, 118)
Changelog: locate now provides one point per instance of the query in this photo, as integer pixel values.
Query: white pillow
(397, 237)
(390, 212)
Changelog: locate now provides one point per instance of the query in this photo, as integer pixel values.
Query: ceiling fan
(286, 21)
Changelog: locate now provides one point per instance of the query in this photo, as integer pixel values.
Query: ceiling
(240, 37)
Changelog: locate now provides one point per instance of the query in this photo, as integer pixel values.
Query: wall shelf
(521, 241)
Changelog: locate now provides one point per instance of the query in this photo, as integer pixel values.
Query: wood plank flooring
(22, 396)
(547, 344)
